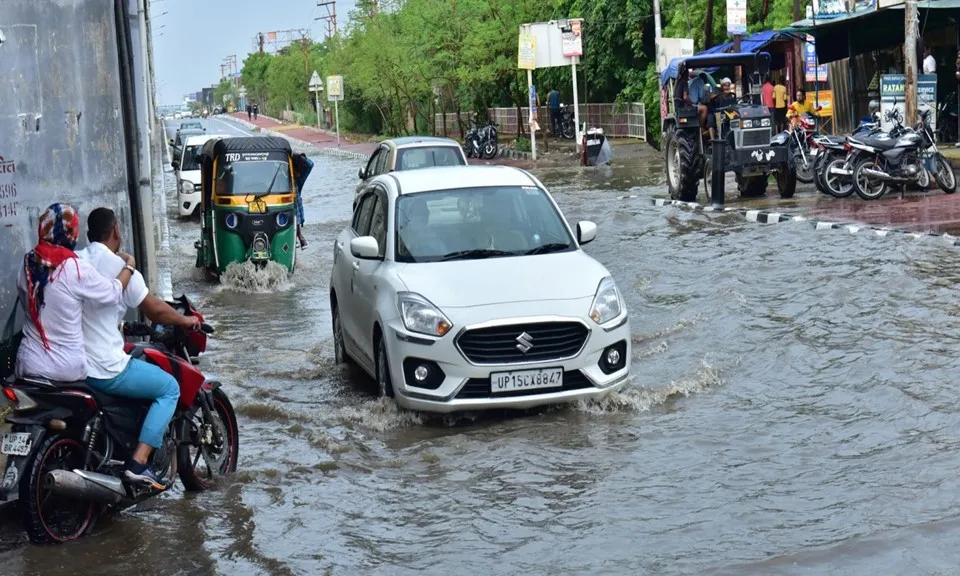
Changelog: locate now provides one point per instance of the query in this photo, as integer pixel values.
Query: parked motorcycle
(803, 129)
(886, 160)
(946, 179)
(471, 141)
(69, 443)
(568, 126)
(489, 145)
(947, 119)
(833, 151)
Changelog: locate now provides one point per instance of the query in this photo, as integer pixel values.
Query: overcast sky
(191, 38)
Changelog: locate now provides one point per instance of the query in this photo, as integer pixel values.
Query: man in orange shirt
(766, 94)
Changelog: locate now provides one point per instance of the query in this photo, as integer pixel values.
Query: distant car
(188, 174)
(465, 289)
(193, 125)
(176, 143)
(410, 153)
(177, 115)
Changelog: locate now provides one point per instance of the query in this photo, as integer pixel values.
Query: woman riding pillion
(53, 285)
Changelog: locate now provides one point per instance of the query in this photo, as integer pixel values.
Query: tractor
(742, 123)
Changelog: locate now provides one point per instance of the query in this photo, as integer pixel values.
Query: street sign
(334, 88)
(736, 17)
(316, 85)
(527, 52)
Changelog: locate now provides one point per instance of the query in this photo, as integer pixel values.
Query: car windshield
(475, 223)
(189, 159)
(428, 157)
(191, 126)
(253, 177)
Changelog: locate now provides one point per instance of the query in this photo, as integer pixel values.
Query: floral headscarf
(58, 230)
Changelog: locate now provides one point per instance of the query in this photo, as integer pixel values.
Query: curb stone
(770, 217)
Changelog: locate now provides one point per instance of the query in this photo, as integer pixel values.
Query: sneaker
(144, 474)
(303, 243)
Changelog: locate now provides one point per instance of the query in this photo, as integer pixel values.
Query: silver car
(465, 288)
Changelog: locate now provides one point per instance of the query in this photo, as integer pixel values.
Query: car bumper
(187, 203)
(582, 374)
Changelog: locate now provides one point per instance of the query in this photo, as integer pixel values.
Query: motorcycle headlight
(607, 304)
(419, 315)
(765, 123)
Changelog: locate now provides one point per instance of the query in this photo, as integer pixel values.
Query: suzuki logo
(524, 342)
(760, 155)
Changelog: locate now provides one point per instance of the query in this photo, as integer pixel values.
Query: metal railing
(618, 120)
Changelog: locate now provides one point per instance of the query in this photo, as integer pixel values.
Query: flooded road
(792, 411)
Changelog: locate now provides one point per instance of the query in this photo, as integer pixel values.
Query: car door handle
(356, 266)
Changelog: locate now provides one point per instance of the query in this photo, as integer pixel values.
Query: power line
(330, 16)
(273, 41)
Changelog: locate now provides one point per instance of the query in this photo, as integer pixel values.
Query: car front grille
(754, 138)
(479, 388)
(542, 341)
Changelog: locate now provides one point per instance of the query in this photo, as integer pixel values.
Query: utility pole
(911, 21)
(797, 71)
(330, 17)
(656, 20)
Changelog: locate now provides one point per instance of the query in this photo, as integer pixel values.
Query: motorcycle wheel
(567, 131)
(219, 460)
(837, 185)
(490, 150)
(865, 187)
(946, 178)
(50, 519)
(804, 168)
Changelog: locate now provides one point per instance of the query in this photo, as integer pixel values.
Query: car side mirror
(586, 231)
(170, 141)
(175, 164)
(365, 248)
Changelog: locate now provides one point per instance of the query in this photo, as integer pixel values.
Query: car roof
(414, 141)
(447, 177)
(196, 140)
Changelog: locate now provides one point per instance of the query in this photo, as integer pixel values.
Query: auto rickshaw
(248, 203)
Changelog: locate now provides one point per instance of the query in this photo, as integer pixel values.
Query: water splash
(379, 415)
(252, 279)
(636, 400)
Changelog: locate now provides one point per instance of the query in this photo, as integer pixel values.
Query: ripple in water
(635, 400)
(252, 279)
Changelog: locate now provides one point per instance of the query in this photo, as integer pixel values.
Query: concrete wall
(62, 132)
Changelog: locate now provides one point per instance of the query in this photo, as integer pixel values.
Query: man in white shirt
(109, 368)
(929, 62)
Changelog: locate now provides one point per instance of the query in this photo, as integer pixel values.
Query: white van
(188, 174)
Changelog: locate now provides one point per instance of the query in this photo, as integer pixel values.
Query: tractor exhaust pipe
(83, 485)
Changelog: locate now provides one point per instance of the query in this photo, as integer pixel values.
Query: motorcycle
(471, 141)
(69, 443)
(947, 119)
(802, 131)
(489, 146)
(887, 159)
(946, 179)
(833, 152)
(568, 128)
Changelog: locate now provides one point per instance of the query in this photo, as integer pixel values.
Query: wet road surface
(792, 411)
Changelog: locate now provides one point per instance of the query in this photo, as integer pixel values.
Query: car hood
(192, 176)
(466, 283)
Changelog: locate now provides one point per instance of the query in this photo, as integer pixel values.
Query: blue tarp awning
(752, 43)
(712, 62)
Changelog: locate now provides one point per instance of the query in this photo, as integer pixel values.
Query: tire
(946, 177)
(192, 477)
(786, 182)
(860, 182)
(804, 170)
(838, 186)
(384, 381)
(340, 355)
(567, 131)
(490, 150)
(752, 186)
(822, 160)
(683, 164)
(35, 506)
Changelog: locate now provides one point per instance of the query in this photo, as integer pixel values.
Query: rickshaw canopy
(248, 149)
(759, 61)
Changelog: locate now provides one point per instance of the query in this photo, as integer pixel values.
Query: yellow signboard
(825, 100)
(527, 52)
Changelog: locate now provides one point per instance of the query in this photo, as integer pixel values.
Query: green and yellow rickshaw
(248, 203)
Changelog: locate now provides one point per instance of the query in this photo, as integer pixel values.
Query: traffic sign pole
(336, 113)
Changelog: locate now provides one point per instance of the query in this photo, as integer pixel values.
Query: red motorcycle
(803, 129)
(69, 443)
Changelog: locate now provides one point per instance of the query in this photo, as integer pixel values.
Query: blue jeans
(299, 198)
(146, 382)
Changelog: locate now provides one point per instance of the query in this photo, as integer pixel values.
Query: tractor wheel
(684, 164)
(752, 186)
(786, 182)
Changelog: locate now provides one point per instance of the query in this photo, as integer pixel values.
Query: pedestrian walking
(249, 112)
(553, 103)
(256, 110)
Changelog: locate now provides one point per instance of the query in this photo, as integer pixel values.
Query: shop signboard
(892, 96)
(736, 17)
(824, 99)
(527, 52)
(814, 73)
(829, 9)
(572, 44)
(670, 48)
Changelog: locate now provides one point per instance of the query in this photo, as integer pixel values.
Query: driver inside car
(498, 214)
(109, 368)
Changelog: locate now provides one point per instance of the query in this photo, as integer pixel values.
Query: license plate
(16, 444)
(526, 380)
(257, 207)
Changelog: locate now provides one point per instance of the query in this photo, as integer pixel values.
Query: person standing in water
(302, 166)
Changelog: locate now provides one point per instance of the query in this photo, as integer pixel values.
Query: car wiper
(548, 248)
(478, 253)
(272, 182)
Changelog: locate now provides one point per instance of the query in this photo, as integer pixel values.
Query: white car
(465, 288)
(409, 153)
(188, 174)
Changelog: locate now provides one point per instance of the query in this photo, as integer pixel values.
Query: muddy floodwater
(793, 410)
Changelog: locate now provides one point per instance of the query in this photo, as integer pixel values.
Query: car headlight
(606, 304)
(419, 315)
(765, 123)
(748, 123)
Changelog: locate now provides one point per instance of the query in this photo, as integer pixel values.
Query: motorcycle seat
(879, 143)
(103, 398)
